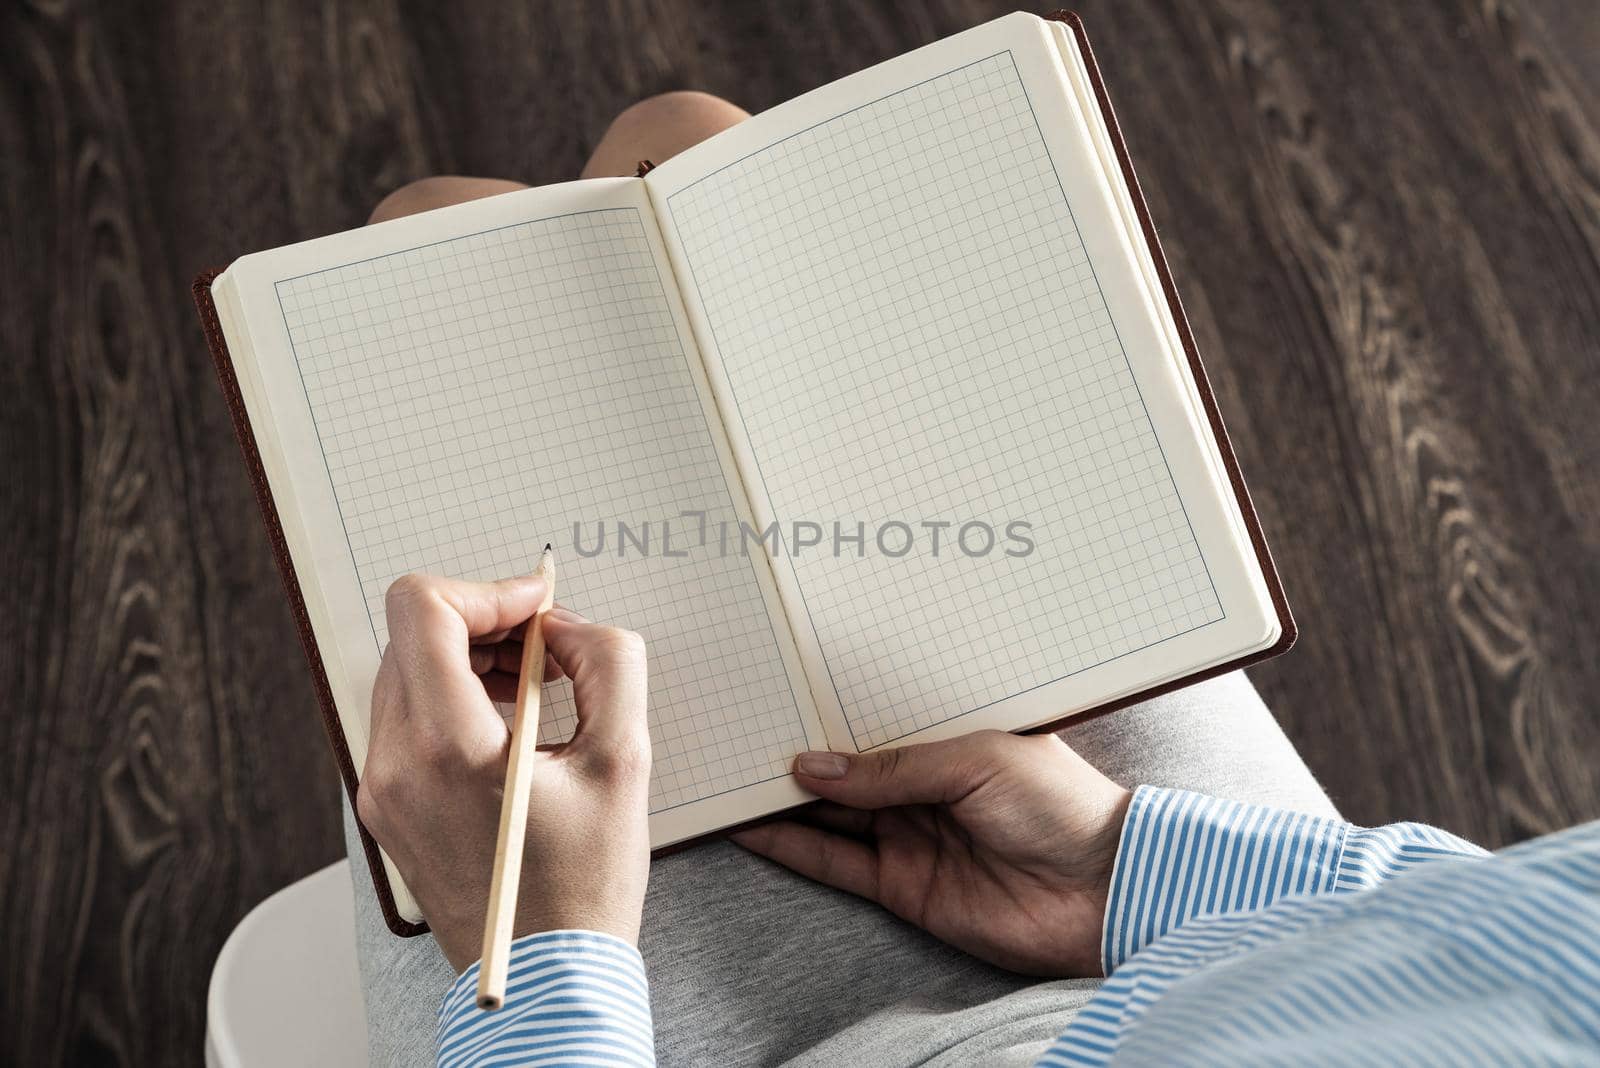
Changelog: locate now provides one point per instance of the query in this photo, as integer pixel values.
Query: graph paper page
(521, 374)
(912, 330)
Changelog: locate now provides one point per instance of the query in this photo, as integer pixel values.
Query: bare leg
(655, 129)
(439, 191)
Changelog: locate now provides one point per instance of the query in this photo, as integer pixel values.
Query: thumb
(929, 774)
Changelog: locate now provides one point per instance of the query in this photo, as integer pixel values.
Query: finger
(856, 822)
(507, 656)
(513, 633)
(431, 622)
(928, 774)
(828, 858)
(422, 604)
(500, 687)
(607, 669)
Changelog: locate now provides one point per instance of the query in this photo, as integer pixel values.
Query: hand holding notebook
(924, 301)
(999, 845)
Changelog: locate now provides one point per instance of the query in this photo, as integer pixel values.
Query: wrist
(1103, 846)
(620, 923)
(460, 940)
(1100, 849)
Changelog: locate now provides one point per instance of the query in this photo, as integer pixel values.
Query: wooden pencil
(502, 912)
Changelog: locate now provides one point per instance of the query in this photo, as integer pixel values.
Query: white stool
(285, 988)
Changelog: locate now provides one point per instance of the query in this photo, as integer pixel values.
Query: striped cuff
(571, 997)
(1376, 855)
(1184, 855)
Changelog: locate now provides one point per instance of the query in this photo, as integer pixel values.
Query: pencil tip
(546, 546)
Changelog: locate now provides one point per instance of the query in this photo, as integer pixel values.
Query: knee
(686, 110)
(679, 107)
(420, 195)
(658, 128)
(438, 191)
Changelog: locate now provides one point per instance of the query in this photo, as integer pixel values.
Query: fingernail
(565, 616)
(823, 765)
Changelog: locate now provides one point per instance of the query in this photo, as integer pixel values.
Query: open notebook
(863, 329)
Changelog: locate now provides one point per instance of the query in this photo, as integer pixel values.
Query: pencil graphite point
(546, 546)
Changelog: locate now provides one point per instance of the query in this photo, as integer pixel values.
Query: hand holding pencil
(439, 751)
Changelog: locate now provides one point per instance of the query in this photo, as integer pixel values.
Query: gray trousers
(750, 964)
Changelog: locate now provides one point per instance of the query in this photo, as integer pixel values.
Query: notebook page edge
(1076, 76)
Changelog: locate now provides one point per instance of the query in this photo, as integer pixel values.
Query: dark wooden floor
(1385, 219)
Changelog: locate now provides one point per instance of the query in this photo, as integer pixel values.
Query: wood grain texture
(1384, 219)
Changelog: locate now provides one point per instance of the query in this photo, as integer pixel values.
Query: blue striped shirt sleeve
(572, 997)
(1183, 855)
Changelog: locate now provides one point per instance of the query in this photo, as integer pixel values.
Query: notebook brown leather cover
(330, 716)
